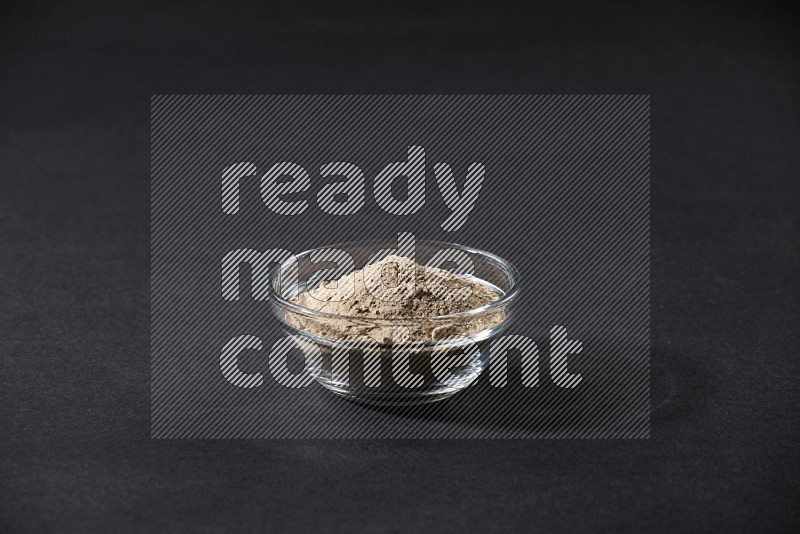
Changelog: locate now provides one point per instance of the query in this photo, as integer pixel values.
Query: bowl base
(390, 398)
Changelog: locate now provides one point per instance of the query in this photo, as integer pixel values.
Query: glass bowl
(395, 361)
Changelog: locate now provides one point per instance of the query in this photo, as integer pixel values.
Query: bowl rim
(513, 274)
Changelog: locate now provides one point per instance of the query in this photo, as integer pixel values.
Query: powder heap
(399, 289)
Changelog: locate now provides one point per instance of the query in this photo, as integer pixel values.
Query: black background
(75, 84)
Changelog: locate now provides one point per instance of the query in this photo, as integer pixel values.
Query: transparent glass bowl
(377, 369)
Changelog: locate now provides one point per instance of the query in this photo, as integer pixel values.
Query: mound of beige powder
(398, 289)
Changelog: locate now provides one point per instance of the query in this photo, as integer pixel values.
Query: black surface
(75, 454)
